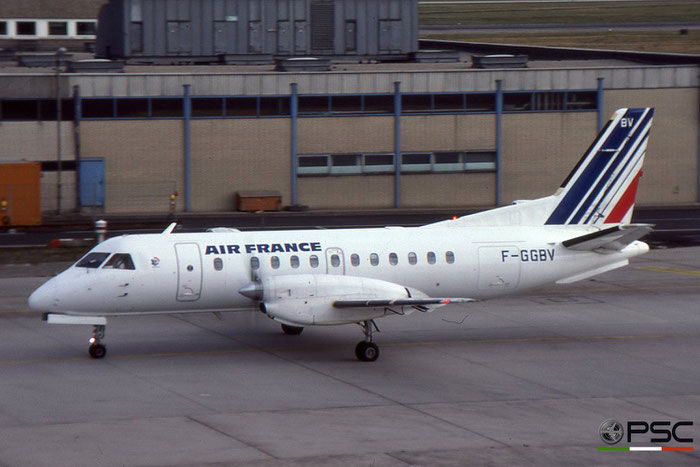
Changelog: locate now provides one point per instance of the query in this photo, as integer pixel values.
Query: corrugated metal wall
(210, 28)
(349, 82)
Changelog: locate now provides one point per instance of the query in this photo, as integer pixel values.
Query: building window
(584, 100)
(312, 165)
(419, 162)
(26, 28)
(166, 107)
(314, 105)
(132, 108)
(393, 259)
(85, 28)
(374, 259)
(254, 263)
(207, 107)
(346, 163)
(420, 103)
(346, 104)
(97, 108)
(58, 28)
(431, 257)
(378, 163)
(313, 261)
(241, 106)
(412, 258)
(378, 103)
(294, 261)
(3, 28)
(20, 109)
(481, 102)
(355, 259)
(275, 262)
(218, 264)
(448, 102)
(273, 106)
(449, 257)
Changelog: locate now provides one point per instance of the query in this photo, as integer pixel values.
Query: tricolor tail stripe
(604, 182)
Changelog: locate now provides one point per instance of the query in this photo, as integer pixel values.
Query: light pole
(60, 53)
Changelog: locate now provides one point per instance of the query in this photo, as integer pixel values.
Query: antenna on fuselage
(170, 229)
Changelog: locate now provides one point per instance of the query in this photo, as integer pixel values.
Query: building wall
(539, 151)
(374, 191)
(345, 135)
(448, 132)
(37, 141)
(446, 190)
(671, 164)
(143, 162)
(238, 155)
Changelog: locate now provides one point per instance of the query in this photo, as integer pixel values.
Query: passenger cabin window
(313, 261)
(120, 261)
(449, 257)
(335, 261)
(92, 260)
(374, 259)
(254, 263)
(431, 257)
(218, 264)
(275, 262)
(412, 258)
(355, 259)
(393, 259)
(294, 261)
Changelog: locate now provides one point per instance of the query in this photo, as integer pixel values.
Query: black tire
(292, 330)
(367, 351)
(97, 351)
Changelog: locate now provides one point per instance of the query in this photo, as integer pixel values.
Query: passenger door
(189, 272)
(335, 262)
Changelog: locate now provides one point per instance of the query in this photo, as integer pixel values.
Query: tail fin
(602, 187)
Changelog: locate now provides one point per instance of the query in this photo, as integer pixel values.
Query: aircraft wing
(609, 240)
(422, 304)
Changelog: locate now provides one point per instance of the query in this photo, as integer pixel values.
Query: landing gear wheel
(367, 351)
(97, 351)
(292, 330)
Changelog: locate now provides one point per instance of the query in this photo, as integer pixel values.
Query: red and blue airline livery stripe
(617, 155)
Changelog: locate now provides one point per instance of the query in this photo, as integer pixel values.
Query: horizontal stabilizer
(611, 239)
(417, 302)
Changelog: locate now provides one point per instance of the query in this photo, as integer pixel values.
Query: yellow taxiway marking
(222, 352)
(686, 272)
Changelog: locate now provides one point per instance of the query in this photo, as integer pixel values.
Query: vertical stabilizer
(602, 187)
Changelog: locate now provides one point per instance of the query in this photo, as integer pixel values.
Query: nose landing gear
(97, 349)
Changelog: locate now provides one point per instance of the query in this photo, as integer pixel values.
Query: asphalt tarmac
(522, 380)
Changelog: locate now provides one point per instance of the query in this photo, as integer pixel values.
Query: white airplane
(328, 277)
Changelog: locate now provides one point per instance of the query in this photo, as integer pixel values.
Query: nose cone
(43, 297)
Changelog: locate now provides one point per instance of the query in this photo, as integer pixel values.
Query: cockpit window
(92, 260)
(120, 261)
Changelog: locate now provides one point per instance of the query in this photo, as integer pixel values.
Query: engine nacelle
(307, 299)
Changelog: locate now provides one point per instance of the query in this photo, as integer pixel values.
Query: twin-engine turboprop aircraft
(327, 277)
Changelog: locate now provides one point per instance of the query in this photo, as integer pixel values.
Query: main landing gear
(97, 349)
(366, 350)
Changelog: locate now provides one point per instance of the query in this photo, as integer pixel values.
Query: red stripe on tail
(625, 204)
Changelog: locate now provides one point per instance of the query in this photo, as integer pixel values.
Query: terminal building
(360, 136)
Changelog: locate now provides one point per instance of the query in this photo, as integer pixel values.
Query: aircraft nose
(42, 298)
